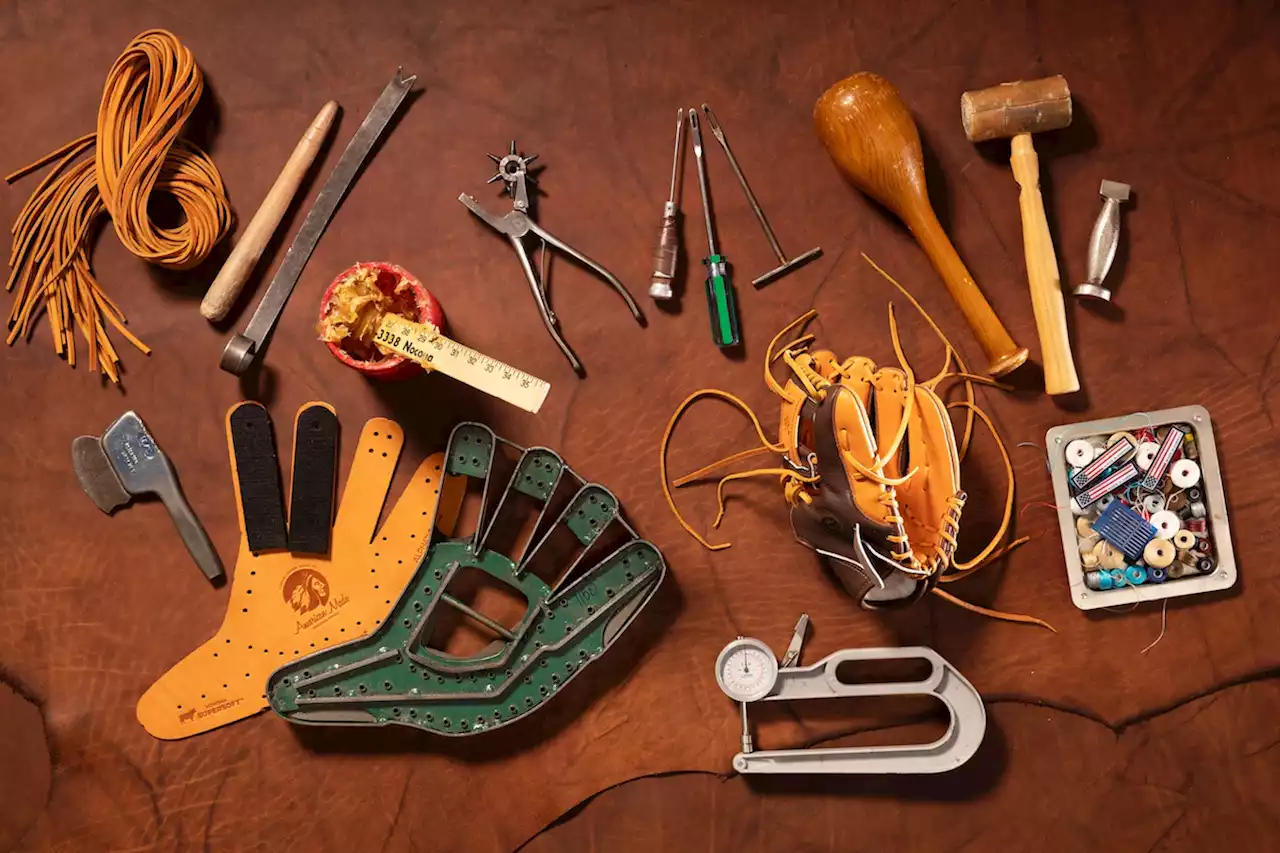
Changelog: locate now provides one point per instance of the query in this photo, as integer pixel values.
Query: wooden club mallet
(868, 132)
(1018, 110)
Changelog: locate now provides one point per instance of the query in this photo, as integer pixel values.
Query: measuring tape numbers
(423, 344)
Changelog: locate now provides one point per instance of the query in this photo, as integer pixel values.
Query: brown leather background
(1090, 743)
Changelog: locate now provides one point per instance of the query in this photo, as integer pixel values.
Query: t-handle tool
(513, 170)
(784, 266)
(666, 252)
(721, 303)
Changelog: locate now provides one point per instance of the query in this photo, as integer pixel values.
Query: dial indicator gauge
(746, 670)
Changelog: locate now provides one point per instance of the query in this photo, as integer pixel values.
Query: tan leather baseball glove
(870, 466)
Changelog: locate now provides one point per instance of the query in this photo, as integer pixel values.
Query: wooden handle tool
(869, 134)
(1017, 110)
(226, 288)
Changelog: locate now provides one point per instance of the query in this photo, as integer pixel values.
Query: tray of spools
(1141, 507)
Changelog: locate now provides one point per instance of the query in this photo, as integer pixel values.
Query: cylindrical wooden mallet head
(1027, 106)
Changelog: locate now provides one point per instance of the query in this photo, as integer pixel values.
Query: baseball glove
(870, 467)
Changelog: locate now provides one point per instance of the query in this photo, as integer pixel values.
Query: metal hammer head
(1027, 106)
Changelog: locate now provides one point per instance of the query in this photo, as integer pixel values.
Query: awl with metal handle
(721, 302)
(243, 348)
(666, 252)
(784, 266)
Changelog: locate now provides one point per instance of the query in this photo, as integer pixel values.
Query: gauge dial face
(746, 670)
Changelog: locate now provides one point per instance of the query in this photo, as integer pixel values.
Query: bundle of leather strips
(150, 93)
(870, 466)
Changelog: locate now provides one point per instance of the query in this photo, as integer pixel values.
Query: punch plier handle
(518, 224)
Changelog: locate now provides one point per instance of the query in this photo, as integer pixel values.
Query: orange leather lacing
(151, 91)
(795, 481)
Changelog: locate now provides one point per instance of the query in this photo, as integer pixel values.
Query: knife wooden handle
(226, 288)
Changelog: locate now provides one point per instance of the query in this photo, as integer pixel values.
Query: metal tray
(1223, 577)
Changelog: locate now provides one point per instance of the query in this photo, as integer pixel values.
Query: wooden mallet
(867, 130)
(1018, 110)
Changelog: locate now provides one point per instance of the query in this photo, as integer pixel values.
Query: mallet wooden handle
(1003, 355)
(1042, 272)
(226, 288)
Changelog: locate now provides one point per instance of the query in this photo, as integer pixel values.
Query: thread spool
(1205, 565)
(1109, 556)
(1089, 561)
(1123, 436)
(1182, 570)
(1184, 540)
(1159, 553)
(1135, 575)
(1166, 524)
(1189, 448)
(1105, 501)
(1153, 503)
(1204, 546)
(1101, 580)
(1198, 526)
(1086, 546)
(1157, 575)
(1184, 474)
(1195, 494)
(1146, 454)
(1080, 453)
(1176, 502)
(1197, 509)
(1084, 529)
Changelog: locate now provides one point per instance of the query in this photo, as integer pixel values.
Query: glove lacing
(796, 480)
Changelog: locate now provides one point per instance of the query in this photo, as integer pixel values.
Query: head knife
(126, 462)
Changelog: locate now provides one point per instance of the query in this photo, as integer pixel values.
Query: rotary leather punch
(513, 171)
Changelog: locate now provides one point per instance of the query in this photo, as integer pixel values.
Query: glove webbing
(794, 481)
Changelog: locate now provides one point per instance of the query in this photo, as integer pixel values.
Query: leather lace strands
(150, 93)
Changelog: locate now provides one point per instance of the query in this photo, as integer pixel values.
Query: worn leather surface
(1194, 778)
(1179, 103)
(24, 754)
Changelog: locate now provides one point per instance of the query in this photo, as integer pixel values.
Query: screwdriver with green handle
(721, 302)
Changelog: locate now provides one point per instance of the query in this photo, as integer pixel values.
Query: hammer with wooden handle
(226, 288)
(868, 131)
(1019, 110)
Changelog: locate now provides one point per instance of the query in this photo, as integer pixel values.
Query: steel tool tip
(711, 120)
(1115, 190)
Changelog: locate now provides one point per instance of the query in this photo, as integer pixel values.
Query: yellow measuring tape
(422, 343)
